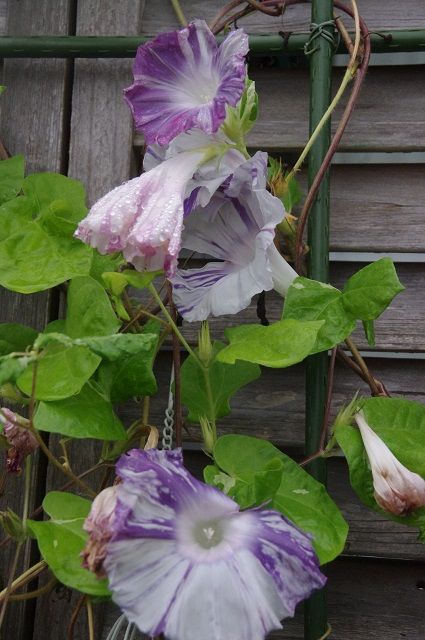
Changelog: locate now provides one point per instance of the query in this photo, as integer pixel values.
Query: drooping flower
(99, 526)
(20, 440)
(237, 228)
(184, 80)
(396, 488)
(143, 217)
(186, 562)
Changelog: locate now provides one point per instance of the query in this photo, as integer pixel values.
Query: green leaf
(11, 368)
(131, 375)
(312, 300)
(120, 345)
(240, 119)
(62, 539)
(89, 310)
(15, 337)
(369, 291)
(37, 248)
(61, 372)
(369, 330)
(11, 177)
(401, 425)
(108, 262)
(279, 345)
(225, 380)
(298, 496)
(86, 415)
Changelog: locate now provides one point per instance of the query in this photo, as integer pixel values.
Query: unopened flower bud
(204, 341)
(20, 439)
(209, 434)
(99, 526)
(13, 525)
(397, 489)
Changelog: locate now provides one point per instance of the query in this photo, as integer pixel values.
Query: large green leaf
(37, 248)
(311, 300)
(299, 496)
(281, 344)
(86, 415)
(401, 425)
(369, 291)
(15, 337)
(89, 311)
(62, 539)
(61, 372)
(223, 381)
(11, 177)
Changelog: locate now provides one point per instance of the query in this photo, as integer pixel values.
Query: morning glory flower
(184, 80)
(99, 526)
(143, 217)
(186, 562)
(397, 489)
(237, 227)
(20, 440)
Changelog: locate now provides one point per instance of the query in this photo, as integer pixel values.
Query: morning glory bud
(204, 344)
(397, 489)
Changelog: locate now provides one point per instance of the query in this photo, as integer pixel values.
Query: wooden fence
(69, 116)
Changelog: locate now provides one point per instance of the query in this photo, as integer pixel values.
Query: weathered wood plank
(400, 328)
(378, 14)
(377, 208)
(388, 116)
(33, 121)
(367, 600)
(272, 406)
(101, 124)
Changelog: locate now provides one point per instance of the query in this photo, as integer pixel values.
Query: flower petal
(144, 217)
(183, 80)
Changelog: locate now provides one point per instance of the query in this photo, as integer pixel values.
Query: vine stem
(25, 577)
(25, 510)
(348, 76)
(36, 593)
(74, 618)
(173, 324)
(90, 620)
(363, 367)
(178, 417)
(179, 12)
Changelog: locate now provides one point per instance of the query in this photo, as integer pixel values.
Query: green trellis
(320, 96)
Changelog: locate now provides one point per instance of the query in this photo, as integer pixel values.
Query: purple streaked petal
(244, 571)
(183, 80)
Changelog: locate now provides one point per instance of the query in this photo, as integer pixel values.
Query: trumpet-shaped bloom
(20, 440)
(236, 228)
(186, 562)
(184, 80)
(143, 217)
(397, 489)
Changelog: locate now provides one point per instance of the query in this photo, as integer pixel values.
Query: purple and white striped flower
(186, 562)
(237, 228)
(184, 80)
(143, 217)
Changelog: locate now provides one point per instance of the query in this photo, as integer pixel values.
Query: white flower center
(208, 534)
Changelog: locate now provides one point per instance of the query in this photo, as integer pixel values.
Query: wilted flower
(184, 80)
(397, 489)
(186, 562)
(21, 441)
(99, 526)
(237, 227)
(143, 217)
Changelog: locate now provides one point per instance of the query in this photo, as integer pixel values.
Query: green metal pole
(318, 269)
(125, 46)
